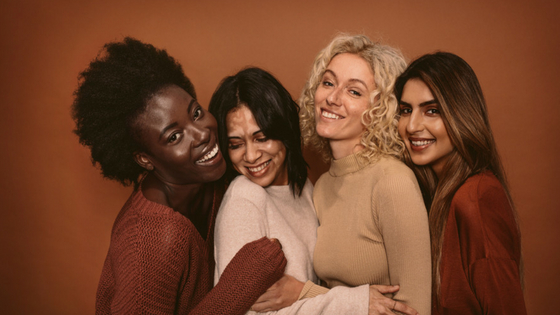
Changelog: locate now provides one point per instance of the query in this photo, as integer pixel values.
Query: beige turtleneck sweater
(373, 228)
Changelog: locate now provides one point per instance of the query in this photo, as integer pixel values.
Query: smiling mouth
(330, 115)
(210, 155)
(258, 168)
(421, 144)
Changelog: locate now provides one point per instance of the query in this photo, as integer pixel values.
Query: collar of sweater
(348, 164)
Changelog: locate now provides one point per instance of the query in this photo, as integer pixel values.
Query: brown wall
(57, 211)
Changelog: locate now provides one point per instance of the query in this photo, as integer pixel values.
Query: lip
(330, 115)
(258, 170)
(419, 144)
(208, 157)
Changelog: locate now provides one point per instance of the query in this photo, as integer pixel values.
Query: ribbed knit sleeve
(403, 223)
(311, 289)
(257, 266)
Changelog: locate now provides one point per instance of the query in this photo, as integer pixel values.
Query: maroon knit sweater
(481, 252)
(158, 263)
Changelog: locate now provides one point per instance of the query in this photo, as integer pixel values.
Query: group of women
(413, 216)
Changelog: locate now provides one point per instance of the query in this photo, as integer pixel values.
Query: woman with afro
(137, 112)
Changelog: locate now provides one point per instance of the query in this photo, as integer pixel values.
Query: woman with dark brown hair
(475, 239)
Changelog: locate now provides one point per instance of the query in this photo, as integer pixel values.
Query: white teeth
(421, 143)
(258, 168)
(209, 155)
(330, 115)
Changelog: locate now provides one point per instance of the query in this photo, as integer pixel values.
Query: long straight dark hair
(455, 87)
(274, 110)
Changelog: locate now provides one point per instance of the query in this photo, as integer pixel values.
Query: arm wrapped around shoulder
(257, 266)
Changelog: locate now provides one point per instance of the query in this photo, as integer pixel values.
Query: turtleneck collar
(348, 164)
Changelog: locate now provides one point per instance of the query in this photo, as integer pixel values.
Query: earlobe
(142, 160)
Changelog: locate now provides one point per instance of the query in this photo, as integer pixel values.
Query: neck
(342, 149)
(184, 199)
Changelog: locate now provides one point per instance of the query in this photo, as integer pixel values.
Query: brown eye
(404, 111)
(197, 113)
(174, 137)
(432, 111)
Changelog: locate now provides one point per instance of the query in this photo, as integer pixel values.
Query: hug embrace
(413, 216)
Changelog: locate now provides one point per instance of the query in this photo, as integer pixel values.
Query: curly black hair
(112, 92)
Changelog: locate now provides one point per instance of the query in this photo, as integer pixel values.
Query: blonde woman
(373, 225)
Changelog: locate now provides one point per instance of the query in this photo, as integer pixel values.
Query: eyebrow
(175, 124)
(254, 133)
(351, 80)
(426, 103)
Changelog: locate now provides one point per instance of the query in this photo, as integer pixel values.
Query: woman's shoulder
(481, 196)
(478, 186)
(164, 226)
(392, 169)
(242, 188)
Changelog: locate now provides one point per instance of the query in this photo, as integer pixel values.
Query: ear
(143, 160)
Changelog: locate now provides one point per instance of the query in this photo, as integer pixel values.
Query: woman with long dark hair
(137, 112)
(475, 239)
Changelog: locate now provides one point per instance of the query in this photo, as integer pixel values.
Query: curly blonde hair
(380, 137)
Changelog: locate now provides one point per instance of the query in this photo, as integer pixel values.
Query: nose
(200, 135)
(334, 97)
(415, 123)
(252, 153)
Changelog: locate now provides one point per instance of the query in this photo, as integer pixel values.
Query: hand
(281, 294)
(379, 304)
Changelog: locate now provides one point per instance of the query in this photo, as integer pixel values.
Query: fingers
(403, 308)
(384, 289)
(267, 296)
(262, 307)
(381, 305)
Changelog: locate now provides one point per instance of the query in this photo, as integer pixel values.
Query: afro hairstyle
(111, 93)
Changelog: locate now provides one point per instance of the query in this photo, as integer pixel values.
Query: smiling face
(421, 126)
(340, 100)
(180, 139)
(252, 154)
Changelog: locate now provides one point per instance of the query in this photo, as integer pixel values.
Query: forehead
(241, 120)
(169, 105)
(350, 64)
(416, 91)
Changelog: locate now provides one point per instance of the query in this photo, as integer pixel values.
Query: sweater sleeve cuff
(311, 289)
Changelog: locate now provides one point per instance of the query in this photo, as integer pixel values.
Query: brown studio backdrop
(57, 211)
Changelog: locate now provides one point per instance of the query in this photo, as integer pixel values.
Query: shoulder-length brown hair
(455, 87)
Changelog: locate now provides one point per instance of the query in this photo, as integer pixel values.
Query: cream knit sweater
(373, 229)
(249, 212)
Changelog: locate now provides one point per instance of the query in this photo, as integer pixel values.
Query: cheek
(278, 149)
(235, 157)
(356, 110)
(439, 131)
(402, 127)
(320, 96)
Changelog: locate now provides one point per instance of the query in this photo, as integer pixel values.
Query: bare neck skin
(194, 201)
(341, 149)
